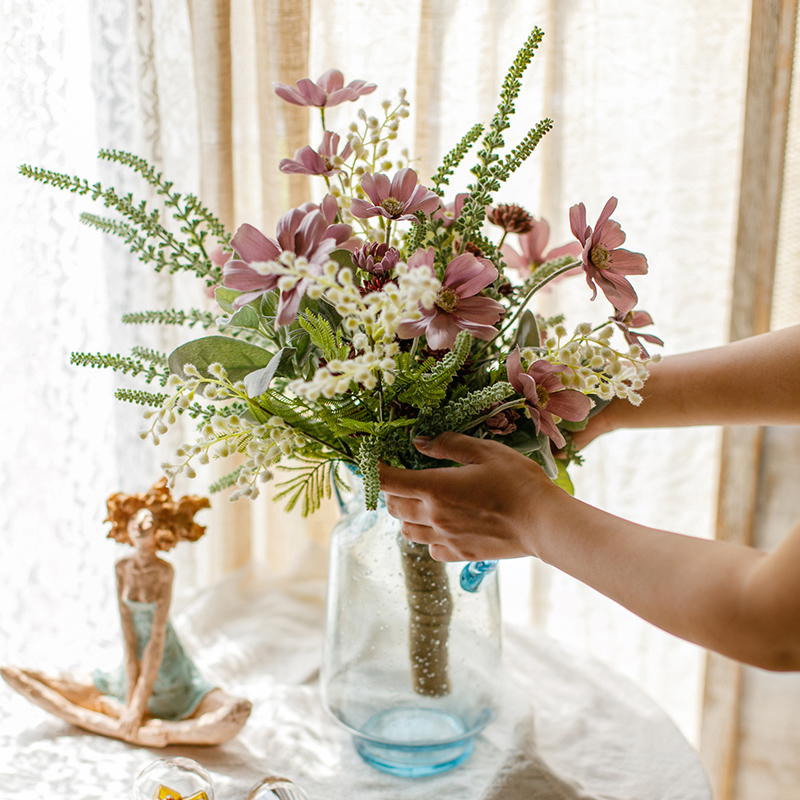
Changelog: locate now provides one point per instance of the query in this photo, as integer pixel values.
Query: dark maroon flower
(502, 423)
(377, 258)
(510, 217)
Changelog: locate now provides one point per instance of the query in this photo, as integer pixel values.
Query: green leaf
(258, 382)
(343, 258)
(269, 305)
(528, 331)
(225, 298)
(562, 479)
(524, 439)
(239, 358)
(245, 317)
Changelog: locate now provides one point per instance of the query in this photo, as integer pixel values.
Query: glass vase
(412, 655)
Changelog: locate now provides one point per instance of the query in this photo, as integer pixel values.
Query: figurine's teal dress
(178, 688)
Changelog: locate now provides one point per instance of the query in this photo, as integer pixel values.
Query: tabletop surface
(570, 729)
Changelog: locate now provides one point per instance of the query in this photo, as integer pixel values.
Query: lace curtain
(648, 106)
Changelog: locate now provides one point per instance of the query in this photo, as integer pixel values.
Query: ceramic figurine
(157, 696)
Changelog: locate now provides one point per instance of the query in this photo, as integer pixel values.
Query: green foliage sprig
(148, 371)
(172, 316)
(140, 397)
(489, 173)
(144, 232)
(451, 161)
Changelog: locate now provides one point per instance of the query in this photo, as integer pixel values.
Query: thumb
(453, 447)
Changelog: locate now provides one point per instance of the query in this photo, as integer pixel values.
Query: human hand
(600, 423)
(130, 722)
(487, 509)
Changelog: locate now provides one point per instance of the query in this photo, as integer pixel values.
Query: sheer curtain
(648, 106)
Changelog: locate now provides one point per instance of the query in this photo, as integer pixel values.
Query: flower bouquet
(382, 312)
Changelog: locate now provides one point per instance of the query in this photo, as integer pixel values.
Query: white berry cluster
(371, 320)
(222, 435)
(595, 367)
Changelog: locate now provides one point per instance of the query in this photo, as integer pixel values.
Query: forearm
(717, 595)
(755, 381)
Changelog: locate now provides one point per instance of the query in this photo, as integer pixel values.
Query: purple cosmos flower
(399, 198)
(545, 395)
(604, 262)
(329, 90)
(376, 258)
(533, 245)
(636, 319)
(304, 231)
(308, 161)
(458, 306)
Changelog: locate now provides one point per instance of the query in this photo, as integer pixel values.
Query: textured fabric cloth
(569, 728)
(178, 688)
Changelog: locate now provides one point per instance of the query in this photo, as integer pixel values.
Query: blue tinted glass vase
(412, 656)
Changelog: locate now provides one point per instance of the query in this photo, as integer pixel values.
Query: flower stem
(525, 300)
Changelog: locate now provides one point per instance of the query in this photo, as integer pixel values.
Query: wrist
(545, 507)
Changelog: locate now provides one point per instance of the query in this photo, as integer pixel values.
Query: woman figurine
(157, 696)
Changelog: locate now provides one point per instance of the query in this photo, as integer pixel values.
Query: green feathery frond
(191, 205)
(148, 354)
(225, 482)
(309, 486)
(431, 387)
(143, 231)
(173, 316)
(416, 236)
(323, 336)
(124, 364)
(514, 160)
(292, 413)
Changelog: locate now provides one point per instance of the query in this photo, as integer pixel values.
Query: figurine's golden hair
(173, 521)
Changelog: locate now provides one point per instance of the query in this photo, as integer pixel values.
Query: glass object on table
(173, 779)
(276, 788)
(412, 661)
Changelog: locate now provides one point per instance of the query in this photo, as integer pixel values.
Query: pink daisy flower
(532, 245)
(328, 91)
(458, 306)
(308, 161)
(399, 198)
(636, 319)
(304, 231)
(605, 263)
(545, 395)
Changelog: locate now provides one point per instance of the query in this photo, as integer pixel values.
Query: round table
(570, 729)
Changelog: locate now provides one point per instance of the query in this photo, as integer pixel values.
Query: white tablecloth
(570, 729)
